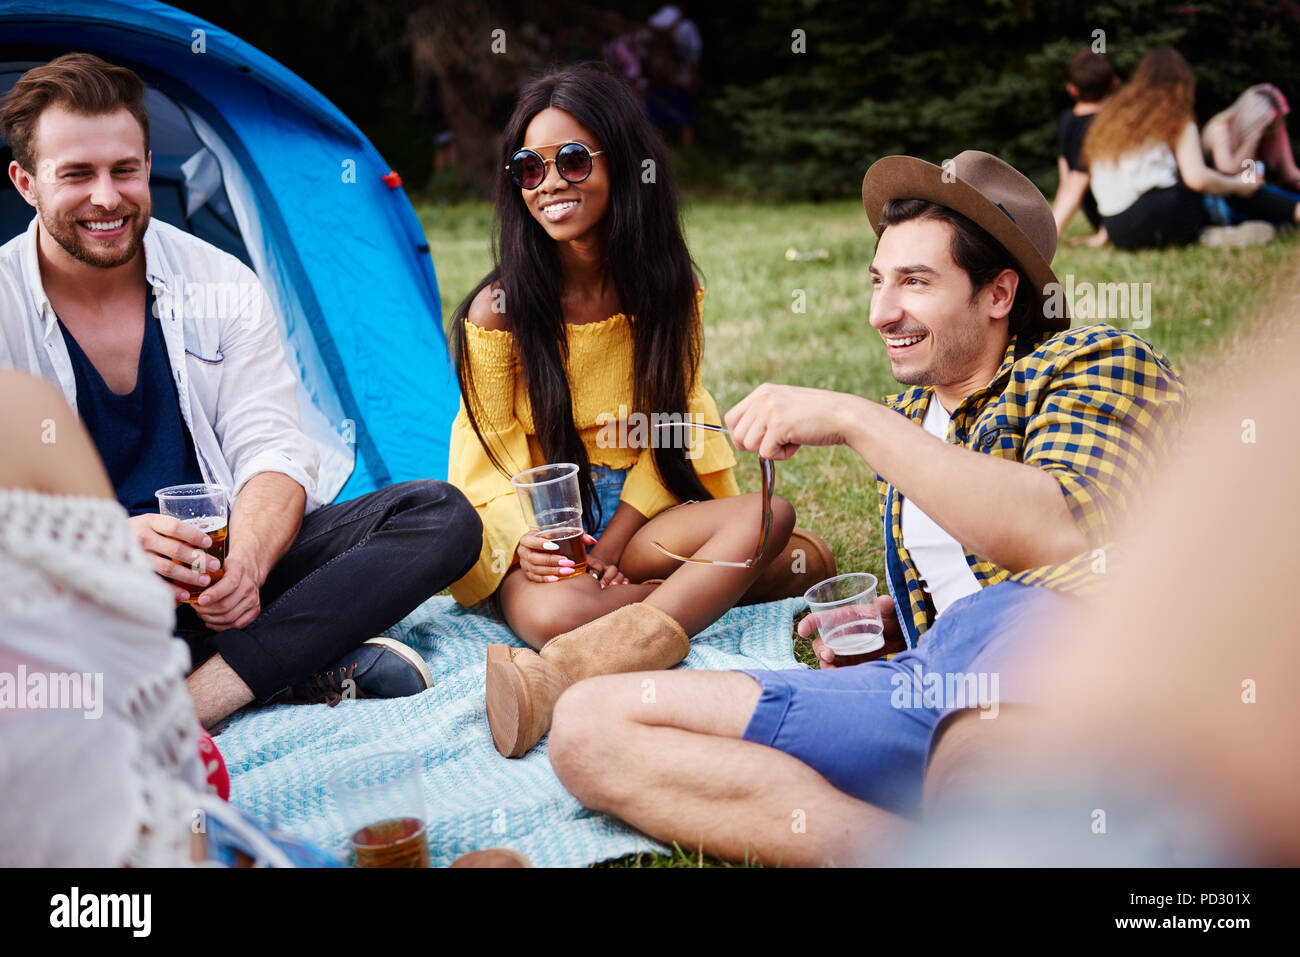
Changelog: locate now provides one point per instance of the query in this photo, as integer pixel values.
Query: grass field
(1204, 302)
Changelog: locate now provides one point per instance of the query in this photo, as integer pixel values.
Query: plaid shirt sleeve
(1110, 411)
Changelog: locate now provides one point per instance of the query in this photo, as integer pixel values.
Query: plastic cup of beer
(552, 507)
(848, 621)
(206, 507)
(382, 803)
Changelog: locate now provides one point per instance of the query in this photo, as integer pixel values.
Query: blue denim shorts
(609, 486)
(867, 728)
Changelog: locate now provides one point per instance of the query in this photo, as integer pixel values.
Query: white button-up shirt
(237, 394)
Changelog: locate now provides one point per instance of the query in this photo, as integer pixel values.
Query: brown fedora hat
(995, 196)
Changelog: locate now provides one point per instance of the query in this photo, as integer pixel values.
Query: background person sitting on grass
(1253, 128)
(1000, 473)
(1149, 173)
(1092, 79)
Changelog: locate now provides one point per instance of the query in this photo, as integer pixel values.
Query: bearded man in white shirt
(92, 298)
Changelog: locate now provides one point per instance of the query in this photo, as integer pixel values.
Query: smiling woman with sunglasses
(588, 325)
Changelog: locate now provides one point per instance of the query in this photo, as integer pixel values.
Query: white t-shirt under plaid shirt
(940, 560)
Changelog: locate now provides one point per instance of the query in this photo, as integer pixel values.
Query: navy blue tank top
(140, 436)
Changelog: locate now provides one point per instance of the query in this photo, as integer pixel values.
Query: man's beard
(948, 361)
(68, 235)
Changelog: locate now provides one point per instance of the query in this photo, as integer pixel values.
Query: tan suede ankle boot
(523, 686)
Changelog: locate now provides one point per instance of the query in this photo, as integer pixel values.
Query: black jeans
(355, 569)
(1173, 216)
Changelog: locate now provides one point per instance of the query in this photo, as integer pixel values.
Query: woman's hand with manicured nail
(538, 563)
(601, 568)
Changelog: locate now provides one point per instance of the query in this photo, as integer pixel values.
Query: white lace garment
(126, 786)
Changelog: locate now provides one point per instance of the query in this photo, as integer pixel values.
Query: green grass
(1204, 303)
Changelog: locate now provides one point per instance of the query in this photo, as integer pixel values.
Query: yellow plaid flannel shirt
(1096, 407)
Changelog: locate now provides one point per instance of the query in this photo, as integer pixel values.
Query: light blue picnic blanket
(279, 757)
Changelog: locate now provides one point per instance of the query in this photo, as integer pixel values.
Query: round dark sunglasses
(573, 161)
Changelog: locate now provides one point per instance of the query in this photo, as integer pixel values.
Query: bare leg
(538, 611)
(664, 752)
(693, 595)
(217, 691)
(698, 595)
(959, 756)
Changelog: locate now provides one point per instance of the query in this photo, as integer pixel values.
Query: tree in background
(797, 97)
(406, 70)
(452, 45)
(807, 112)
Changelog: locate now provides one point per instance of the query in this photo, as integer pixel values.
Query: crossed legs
(810, 767)
(693, 595)
(677, 736)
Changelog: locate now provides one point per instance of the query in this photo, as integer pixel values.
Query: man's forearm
(1011, 514)
(265, 520)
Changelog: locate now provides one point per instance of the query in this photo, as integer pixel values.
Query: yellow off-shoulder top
(599, 370)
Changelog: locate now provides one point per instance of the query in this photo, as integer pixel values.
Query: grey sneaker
(380, 668)
(1253, 232)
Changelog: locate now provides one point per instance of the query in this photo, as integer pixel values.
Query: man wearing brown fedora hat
(1002, 473)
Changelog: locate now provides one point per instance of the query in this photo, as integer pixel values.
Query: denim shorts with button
(609, 486)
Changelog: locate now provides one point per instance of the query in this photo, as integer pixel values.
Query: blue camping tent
(250, 157)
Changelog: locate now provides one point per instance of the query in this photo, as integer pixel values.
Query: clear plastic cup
(848, 621)
(382, 802)
(552, 505)
(206, 507)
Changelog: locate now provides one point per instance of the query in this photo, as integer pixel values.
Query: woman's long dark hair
(648, 261)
